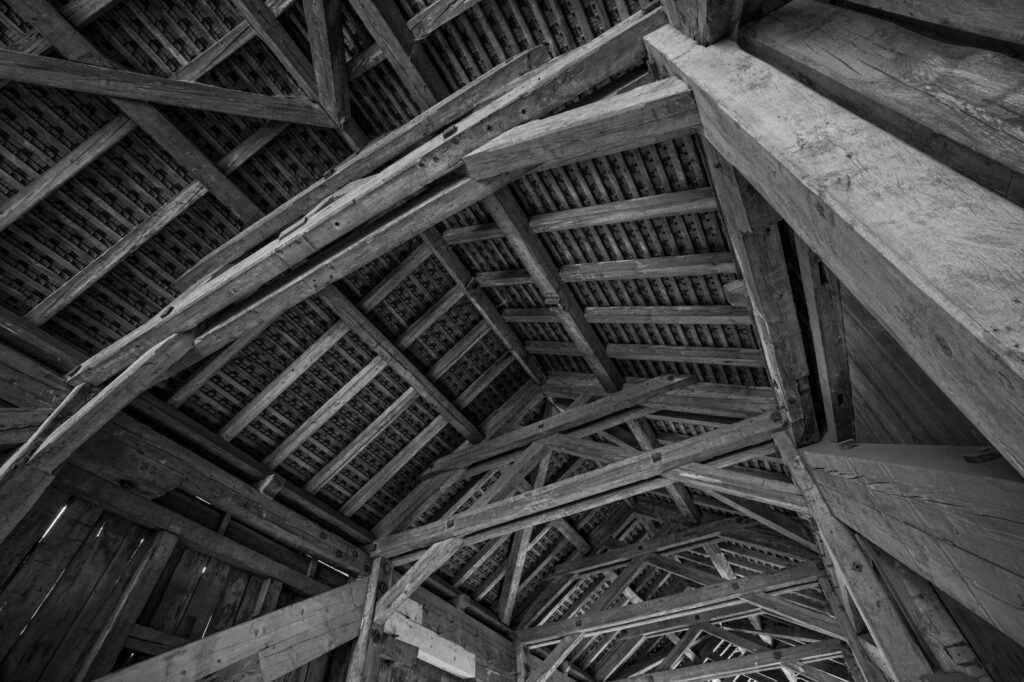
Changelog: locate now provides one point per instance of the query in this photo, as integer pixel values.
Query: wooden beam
(326, 411)
(362, 648)
(729, 357)
(666, 205)
(902, 653)
(952, 514)
(273, 34)
(552, 85)
(751, 663)
(432, 559)
(942, 110)
(755, 234)
(367, 160)
(324, 25)
(357, 445)
(787, 527)
(689, 602)
(504, 208)
(383, 20)
(999, 19)
(81, 281)
(278, 642)
(565, 421)
(531, 507)
(887, 247)
(401, 363)
(688, 265)
(640, 117)
(464, 279)
(106, 81)
(48, 20)
(823, 297)
(708, 21)
(665, 314)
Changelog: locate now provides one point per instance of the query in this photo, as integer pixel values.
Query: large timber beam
(894, 640)
(951, 101)
(708, 21)
(268, 647)
(952, 514)
(934, 257)
(552, 84)
(643, 116)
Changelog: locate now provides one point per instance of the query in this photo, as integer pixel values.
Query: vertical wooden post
(362, 650)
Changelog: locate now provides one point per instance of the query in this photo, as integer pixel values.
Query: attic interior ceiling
(444, 340)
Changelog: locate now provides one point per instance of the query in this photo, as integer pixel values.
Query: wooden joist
(640, 117)
(666, 314)
(81, 281)
(894, 237)
(666, 205)
(542, 271)
(269, 646)
(689, 602)
(552, 84)
(400, 363)
(465, 281)
(689, 265)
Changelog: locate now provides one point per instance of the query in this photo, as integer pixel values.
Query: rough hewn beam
(894, 237)
(751, 663)
(642, 116)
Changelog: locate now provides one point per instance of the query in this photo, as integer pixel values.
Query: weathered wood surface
(278, 642)
(369, 159)
(962, 105)
(934, 258)
(953, 514)
(708, 21)
(643, 116)
(876, 606)
(999, 19)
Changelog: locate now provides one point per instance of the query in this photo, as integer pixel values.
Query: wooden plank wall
(65, 569)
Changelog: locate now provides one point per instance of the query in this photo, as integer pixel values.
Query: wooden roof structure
(546, 339)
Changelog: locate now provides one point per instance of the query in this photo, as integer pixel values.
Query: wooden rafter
(50, 22)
